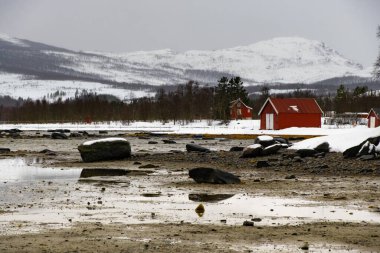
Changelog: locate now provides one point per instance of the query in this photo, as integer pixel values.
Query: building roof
(236, 101)
(376, 111)
(293, 105)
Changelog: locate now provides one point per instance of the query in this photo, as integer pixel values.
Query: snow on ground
(339, 137)
(16, 86)
(196, 127)
(339, 142)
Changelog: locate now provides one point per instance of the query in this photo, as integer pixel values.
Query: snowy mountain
(280, 60)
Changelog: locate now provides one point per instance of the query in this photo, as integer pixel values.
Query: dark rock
(270, 150)
(256, 219)
(105, 150)
(57, 135)
(367, 149)
(143, 137)
(4, 150)
(351, 152)
(100, 172)
(197, 136)
(354, 151)
(169, 142)
(262, 164)
(76, 135)
(103, 132)
(236, 149)
(367, 157)
(248, 223)
(13, 131)
(252, 151)
(213, 176)
(196, 148)
(148, 166)
(323, 147)
(306, 152)
(58, 131)
(152, 142)
(290, 177)
(281, 140)
(265, 140)
(85, 133)
(204, 197)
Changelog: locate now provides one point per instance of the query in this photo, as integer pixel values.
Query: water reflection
(20, 169)
(204, 197)
(103, 172)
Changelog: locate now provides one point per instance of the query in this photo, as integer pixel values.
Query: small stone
(248, 223)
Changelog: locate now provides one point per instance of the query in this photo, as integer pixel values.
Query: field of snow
(196, 127)
(339, 137)
(17, 86)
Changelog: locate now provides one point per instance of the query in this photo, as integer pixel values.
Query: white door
(269, 121)
(372, 122)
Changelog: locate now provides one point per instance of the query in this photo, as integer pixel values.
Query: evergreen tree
(376, 71)
(227, 91)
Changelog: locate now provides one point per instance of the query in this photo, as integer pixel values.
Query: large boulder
(252, 151)
(196, 148)
(265, 140)
(213, 176)
(272, 149)
(105, 149)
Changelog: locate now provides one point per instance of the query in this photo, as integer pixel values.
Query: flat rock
(213, 176)
(196, 148)
(272, 149)
(306, 152)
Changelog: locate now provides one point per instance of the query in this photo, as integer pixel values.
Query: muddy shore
(93, 210)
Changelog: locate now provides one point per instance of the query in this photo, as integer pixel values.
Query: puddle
(20, 169)
(39, 197)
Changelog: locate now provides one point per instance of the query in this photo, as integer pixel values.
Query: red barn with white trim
(374, 117)
(280, 113)
(239, 110)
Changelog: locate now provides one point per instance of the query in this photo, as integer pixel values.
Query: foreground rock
(105, 149)
(99, 172)
(252, 151)
(213, 176)
(196, 148)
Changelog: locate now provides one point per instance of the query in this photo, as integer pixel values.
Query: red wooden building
(374, 117)
(279, 113)
(239, 110)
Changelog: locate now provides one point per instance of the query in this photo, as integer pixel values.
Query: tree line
(184, 104)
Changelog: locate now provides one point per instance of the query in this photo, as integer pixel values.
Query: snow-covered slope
(283, 60)
(280, 60)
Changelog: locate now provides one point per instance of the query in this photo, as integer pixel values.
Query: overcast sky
(348, 26)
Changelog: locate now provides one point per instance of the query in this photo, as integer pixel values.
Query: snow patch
(88, 143)
(339, 142)
(294, 108)
(12, 40)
